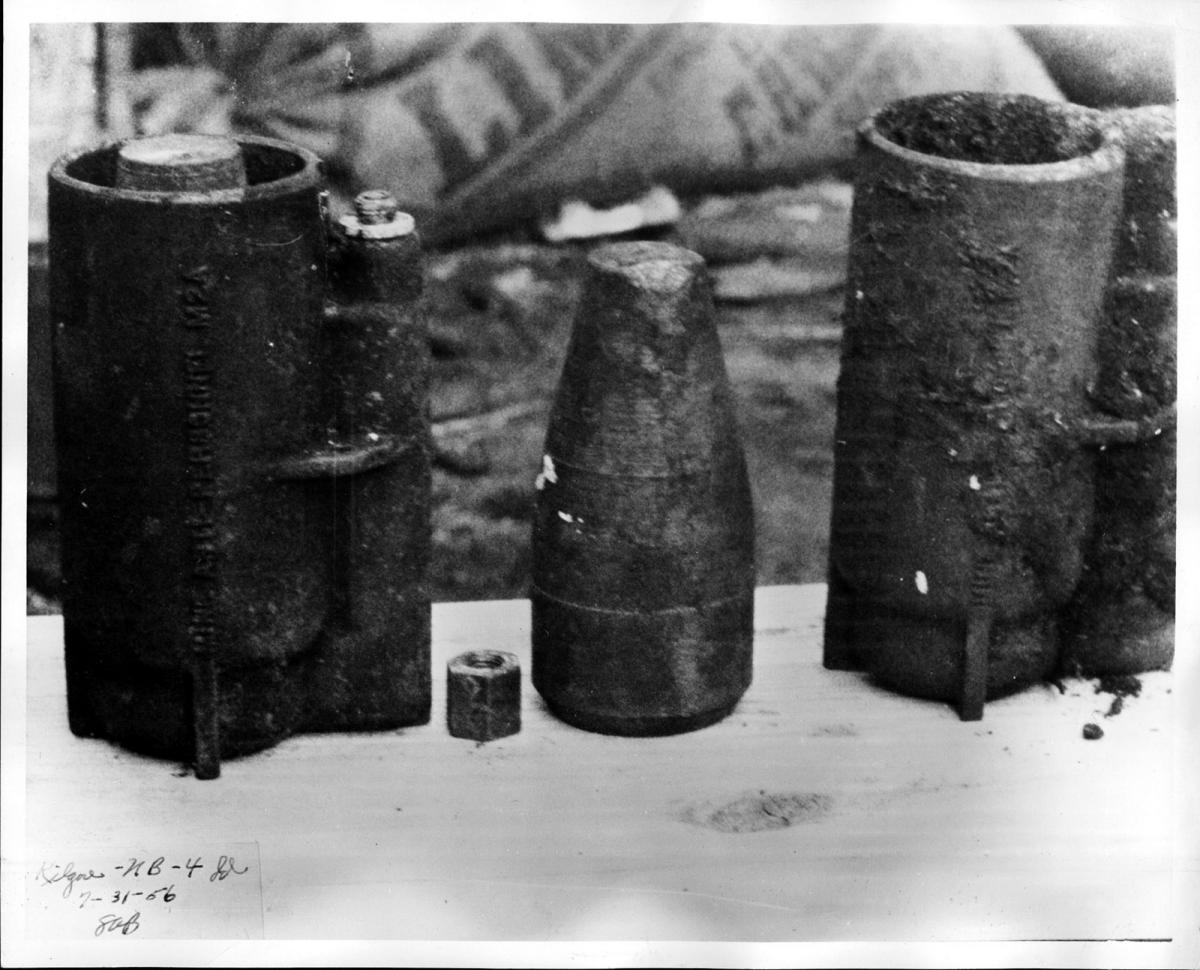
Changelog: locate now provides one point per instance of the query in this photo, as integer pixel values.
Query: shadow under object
(643, 537)
(982, 247)
(243, 450)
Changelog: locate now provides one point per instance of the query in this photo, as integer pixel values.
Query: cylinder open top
(1006, 137)
(189, 168)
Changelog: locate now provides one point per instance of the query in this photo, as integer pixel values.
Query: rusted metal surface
(643, 560)
(1122, 619)
(982, 244)
(243, 452)
(483, 695)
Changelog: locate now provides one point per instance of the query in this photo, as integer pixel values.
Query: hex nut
(377, 216)
(483, 695)
(375, 207)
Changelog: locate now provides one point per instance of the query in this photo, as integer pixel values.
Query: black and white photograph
(633, 485)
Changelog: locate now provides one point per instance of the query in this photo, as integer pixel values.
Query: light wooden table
(863, 815)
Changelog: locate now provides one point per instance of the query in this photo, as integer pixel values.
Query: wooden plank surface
(824, 808)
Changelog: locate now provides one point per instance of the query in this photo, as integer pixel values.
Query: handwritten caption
(213, 892)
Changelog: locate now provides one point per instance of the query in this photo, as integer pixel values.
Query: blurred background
(520, 146)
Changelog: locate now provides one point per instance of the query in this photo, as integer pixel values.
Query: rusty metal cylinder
(981, 247)
(243, 454)
(643, 539)
(1122, 619)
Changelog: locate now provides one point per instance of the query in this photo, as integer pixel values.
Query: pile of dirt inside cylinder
(972, 127)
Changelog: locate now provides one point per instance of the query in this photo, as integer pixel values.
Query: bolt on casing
(243, 452)
(643, 537)
(483, 695)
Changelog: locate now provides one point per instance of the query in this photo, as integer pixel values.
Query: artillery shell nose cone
(643, 572)
(180, 163)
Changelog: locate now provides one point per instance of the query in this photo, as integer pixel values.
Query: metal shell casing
(982, 242)
(244, 462)
(643, 538)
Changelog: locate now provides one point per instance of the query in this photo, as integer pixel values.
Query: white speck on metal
(973, 481)
(566, 516)
(922, 583)
(547, 474)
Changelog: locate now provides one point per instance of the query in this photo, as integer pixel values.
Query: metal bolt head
(377, 215)
(375, 207)
(483, 695)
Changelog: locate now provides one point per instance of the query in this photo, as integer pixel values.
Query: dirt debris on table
(1120, 685)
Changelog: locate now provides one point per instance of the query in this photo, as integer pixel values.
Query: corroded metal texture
(244, 460)
(180, 163)
(982, 241)
(483, 695)
(1122, 619)
(643, 560)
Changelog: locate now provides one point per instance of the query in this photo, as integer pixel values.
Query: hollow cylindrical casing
(643, 539)
(982, 240)
(211, 422)
(1122, 619)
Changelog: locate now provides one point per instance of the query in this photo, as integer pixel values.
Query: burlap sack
(476, 125)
